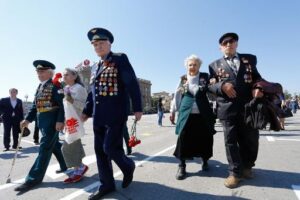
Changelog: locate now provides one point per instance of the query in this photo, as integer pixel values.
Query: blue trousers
(108, 144)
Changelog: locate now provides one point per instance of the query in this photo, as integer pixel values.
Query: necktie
(232, 65)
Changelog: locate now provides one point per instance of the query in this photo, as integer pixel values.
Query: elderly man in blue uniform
(49, 110)
(107, 102)
(232, 77)
(11, 109)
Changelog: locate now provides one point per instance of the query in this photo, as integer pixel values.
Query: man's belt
(46, 109)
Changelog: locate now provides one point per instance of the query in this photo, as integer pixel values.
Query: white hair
(51, 71)
(192, 57)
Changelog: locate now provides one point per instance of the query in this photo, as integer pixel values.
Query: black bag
(287, 112)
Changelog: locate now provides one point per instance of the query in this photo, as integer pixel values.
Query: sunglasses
(230, 41)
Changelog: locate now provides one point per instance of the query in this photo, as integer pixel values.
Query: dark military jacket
(108, 100)
(47, 106)
(247, 74)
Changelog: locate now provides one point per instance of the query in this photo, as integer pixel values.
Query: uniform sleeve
(175, 103)
(215, 88)
(58, 98)
(32, 113)
(1, 106)
(88, 108)
(80, 98)
(255, 74)
(130, 81)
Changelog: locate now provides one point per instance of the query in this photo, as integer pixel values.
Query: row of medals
(43, 99)
(108, 84)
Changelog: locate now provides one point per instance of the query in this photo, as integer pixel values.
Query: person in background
(75, 94)
(11, 110)
(195, 123)
(160, 111)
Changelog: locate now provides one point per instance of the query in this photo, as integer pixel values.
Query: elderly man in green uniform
(48, 108)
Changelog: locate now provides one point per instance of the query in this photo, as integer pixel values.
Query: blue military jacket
(220, 70)
(47, 106)
(113, 83)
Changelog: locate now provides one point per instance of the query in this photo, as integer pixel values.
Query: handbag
(133, 141)
(74, 125)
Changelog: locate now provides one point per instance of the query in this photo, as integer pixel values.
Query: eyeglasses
(230, 41)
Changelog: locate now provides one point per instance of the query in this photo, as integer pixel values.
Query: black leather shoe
(129, 151)
(128, 178)
(100, 193)
(15, 148)
(205, 166)
(61, 170)
(25, 187)
(181, 173)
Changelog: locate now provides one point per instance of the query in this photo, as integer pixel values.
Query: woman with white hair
(195, 123)
(75, 94)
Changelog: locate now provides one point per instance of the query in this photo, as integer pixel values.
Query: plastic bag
(74, 129)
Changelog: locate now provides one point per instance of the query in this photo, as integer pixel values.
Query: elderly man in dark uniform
(107, 102)
(11, 110)
(232, 77)
(49, 110)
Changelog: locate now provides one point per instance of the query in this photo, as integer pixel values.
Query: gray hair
(75, 73)
(51, 71)
(192, 57)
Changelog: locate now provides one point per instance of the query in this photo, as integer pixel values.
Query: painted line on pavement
(13, 183)
(270, 138)
(296, 189)
(118, 173)
(286, 139)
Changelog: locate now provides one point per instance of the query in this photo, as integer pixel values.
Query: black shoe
(181, 173)
(205, 166)
(25, 187)
(128, 178)
(100, 193)
(60, 171)
(6, 149)
(129, 151)
(36, 143)
(15, 148)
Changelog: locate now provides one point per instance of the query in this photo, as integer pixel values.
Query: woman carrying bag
(74, 101)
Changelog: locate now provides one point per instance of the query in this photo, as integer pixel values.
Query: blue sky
(156, 35)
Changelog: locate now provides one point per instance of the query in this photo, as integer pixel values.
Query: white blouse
(79, 95)
(192, 86)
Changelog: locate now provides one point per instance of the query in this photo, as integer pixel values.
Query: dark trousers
(49, 144)
(36, 133)
(241, 145)
(109, 146)
(126, 136)
(14, 125)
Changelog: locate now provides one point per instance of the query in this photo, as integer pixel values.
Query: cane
(8, 180)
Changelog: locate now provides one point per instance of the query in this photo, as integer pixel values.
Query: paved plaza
(276, 174)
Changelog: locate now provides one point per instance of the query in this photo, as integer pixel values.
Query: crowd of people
(113, 85)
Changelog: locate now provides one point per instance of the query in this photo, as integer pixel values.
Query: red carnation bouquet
(133, 141)
(57, 80)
